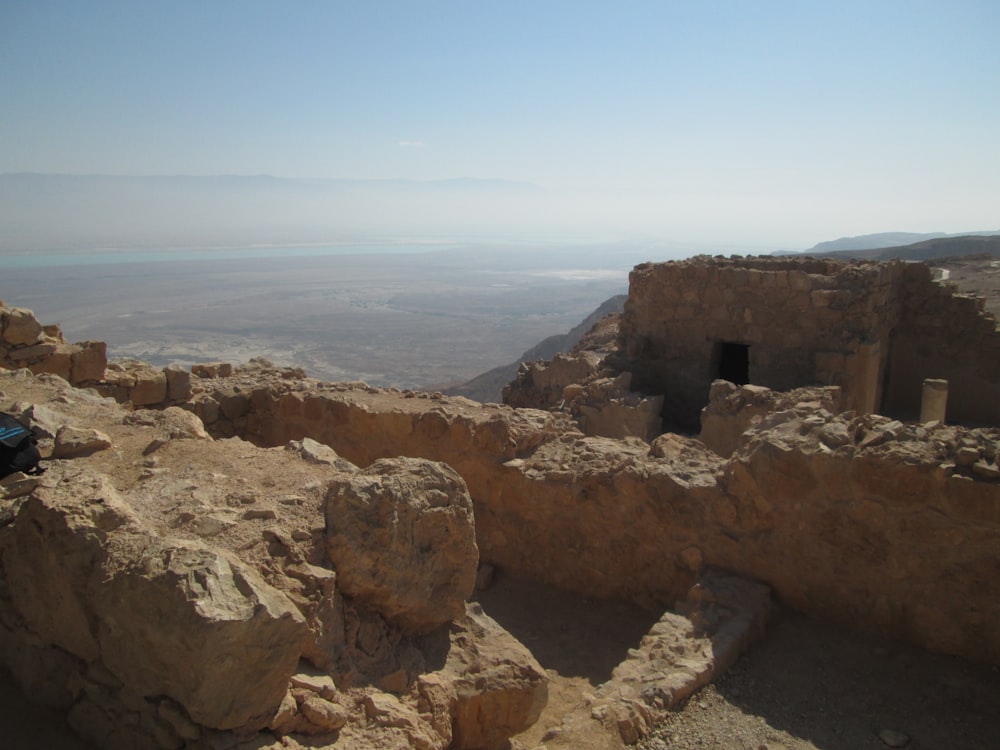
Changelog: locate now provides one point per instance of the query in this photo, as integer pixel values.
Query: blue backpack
(18, 447)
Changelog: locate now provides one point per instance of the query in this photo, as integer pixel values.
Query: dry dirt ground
(423, 320)
(805, 686)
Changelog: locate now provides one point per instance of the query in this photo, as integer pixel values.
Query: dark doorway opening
(734, 362)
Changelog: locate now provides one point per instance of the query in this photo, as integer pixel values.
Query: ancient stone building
(875, 329)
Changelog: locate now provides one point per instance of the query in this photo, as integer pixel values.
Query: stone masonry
(877, 330)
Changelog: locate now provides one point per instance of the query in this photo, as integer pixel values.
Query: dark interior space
(734, 362)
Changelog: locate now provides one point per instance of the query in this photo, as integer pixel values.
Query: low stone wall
(140, 384)
(857, 519)
(26, 343)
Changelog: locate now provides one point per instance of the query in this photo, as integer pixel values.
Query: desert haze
(407, 320)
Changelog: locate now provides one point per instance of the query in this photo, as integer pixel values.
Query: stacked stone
(950, 325)
(141, 384)
(26, 343)
(803, 320)
(949, 336)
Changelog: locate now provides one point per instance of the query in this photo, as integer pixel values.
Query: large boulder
(401, 536)
(500, 689)
(161, 618)
(51, 552)
(194, 624)
(21, 327)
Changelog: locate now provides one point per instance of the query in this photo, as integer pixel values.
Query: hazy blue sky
(784, 122)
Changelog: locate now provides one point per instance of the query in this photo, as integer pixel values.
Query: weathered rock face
(541, 385)
(182, 605)
(150, 614)
(588, 385)
(402, 538)
(489, 655)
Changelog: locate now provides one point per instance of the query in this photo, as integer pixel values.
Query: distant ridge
(884, 240)
(488, 387)
(872, 241)
(939, 247)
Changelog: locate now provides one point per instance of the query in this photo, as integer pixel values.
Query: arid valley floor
(424, 320)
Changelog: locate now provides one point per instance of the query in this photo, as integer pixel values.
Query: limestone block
(178, 383)
(206, 409)
(323, 714)
(498, 693)
(212, 370)
(150, 387)
(21, 327)
(75, 442)
(934, 401)
(35, 351)
(388, 711)
(59, 362)
(401, 536)
(90, 360)
(52, 551)
(180, 619)
(490, 687)
(316, 453)
(181, 424)
(234, 405)
(799, 281)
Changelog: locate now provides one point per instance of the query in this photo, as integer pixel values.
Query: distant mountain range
(884, 240)
(939, 246)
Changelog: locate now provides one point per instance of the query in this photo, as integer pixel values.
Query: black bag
(18, 448)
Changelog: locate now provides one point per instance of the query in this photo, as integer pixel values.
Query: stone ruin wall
(855, 519)
(26, 343)
(166, 590)
(943, 334)
(817, 519)
(840, 530)
(806, 322)
(875, 329)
